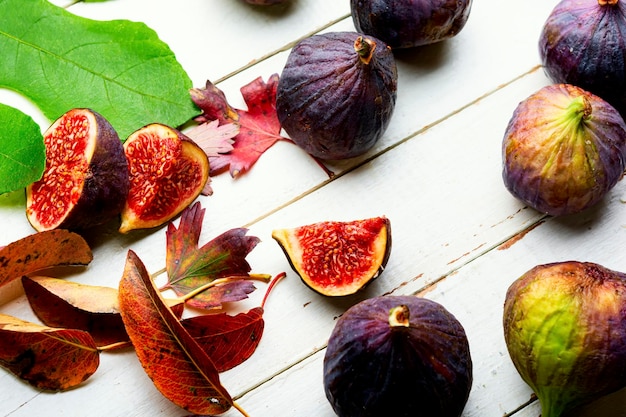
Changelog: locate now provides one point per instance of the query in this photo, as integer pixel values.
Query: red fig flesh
(167, 173)
(85, 182)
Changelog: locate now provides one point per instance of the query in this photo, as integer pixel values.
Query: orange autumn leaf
(42, 250)
(67, 304)
(47, 358)
(177, 365)
(92, 308)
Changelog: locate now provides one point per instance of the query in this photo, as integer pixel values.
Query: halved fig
(167, 173)
(85, 182)
(337, 258)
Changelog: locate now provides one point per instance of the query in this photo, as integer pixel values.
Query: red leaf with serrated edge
(228, 340)
(42, 250)
(179, 368)
(190, 267)
(47, 358)
(259, 127)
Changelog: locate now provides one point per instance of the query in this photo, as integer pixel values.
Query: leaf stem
(274, 281)
(241, 410)
(113, 346)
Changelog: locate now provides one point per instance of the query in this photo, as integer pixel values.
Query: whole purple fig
(563, 150)
(410, 23)
(565, 330)
(400, 356)
(582, 43)
(336, 94)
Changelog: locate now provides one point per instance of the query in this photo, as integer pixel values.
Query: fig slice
(337, 258)
(85, 181)
(168, 171)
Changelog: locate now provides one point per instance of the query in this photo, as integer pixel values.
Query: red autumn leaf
(230, 340)
(179, 368)
(259, 127)
(40, 251)
(47, 358)
(61, 303)
(218, 268)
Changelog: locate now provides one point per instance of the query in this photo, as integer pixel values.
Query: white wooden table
(458, 236)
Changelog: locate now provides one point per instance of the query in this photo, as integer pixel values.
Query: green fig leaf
(119, 68)
(21, 161)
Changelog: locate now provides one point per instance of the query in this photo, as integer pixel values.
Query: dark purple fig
(565, 330)
(563, 150)
(582, 43)
(400, 356)
(336, 94)
(410, 23)
(265, 2)
(85, 182)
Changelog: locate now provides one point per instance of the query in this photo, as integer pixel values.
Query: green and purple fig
(565, 330)
(582, 43)
(400, 356)
(564, 148)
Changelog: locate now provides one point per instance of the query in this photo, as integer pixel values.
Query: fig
(85, 181)
(265, 2)
(336, 258)
(582, 43)
(564, 148)
(400, 356)
(410, 23)
(336, 94)
(565, 330)
(167, 173)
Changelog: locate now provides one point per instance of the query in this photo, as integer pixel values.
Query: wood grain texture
(458, 236)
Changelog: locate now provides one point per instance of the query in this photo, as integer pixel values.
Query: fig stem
(364, 47)
(399, 316)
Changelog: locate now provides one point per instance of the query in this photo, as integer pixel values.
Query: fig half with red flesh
(85, 181)
(337, 258)
(167, 173)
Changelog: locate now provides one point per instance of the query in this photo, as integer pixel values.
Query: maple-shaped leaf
(47, 358)
(219, 265)
(40, 251)
(179, 368)
(61, 303)
(215, 139)
(259, 127)
(230, 340)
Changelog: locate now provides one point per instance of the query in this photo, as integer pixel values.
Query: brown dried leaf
(40, 251)
(47, 358)
(177, 365)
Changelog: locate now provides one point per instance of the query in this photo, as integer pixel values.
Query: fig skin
(582, 43)
(565, 330)
(336, 94)
(168, 171)
(563, 150)
(397, 356)
(335, 258)
(410, 23)
(98, 179)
